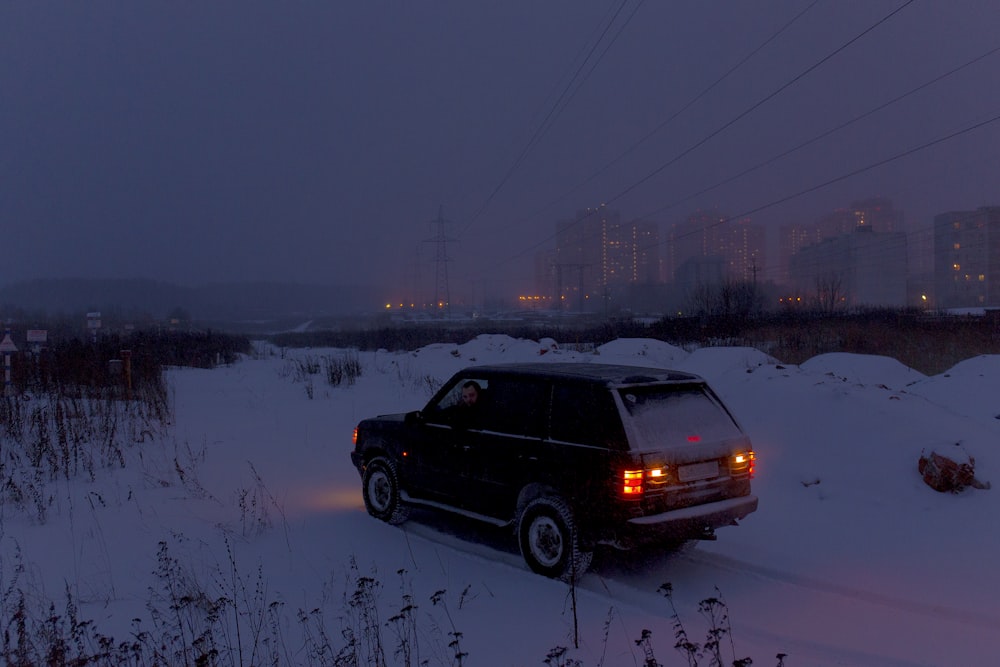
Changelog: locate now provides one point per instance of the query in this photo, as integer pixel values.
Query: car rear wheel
(549, 542)
(380, 486)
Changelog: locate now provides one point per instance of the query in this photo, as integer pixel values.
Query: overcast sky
(315, 141)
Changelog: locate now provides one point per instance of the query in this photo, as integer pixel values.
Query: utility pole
(559, 282)
(442, 295)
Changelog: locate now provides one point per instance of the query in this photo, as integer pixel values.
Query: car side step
(406, 498)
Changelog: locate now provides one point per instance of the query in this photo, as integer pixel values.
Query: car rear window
(666, 416)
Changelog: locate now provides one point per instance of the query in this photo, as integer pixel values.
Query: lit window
(982, 277)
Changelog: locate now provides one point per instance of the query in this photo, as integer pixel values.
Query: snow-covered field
(850, 560)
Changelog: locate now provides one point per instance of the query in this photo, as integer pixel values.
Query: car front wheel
(548, 539)
(380, 485)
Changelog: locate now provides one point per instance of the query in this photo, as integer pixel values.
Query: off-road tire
(550, 545)
(380, 488)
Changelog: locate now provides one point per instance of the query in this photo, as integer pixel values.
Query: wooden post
(127, 358)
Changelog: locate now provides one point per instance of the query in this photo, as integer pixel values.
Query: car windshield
(674, 416)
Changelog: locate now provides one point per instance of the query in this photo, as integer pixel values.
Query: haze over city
(316, 142)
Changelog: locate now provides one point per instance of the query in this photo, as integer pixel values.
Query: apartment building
(967, 258)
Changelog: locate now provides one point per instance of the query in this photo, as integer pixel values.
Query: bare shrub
(343, 369)
(68, 415)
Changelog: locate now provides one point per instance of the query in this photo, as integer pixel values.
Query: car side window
(516, 407)
(462, 403)
(587, 415)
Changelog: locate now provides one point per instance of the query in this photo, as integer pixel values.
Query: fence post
(7, 347)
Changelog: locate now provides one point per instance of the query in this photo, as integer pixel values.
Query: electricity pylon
(442, 295)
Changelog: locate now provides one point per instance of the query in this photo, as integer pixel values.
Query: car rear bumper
(685, 523)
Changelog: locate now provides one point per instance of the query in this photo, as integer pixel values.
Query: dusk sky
(314, 142)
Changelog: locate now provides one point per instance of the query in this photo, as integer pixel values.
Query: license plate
(698, 471)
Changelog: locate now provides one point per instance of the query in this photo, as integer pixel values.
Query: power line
(831, 131)
(553, 113)
(646, 137)
(761, 102)
(826, 133)
(736, 118)
(600, 58)
(842, 177)
(824, 184)
(861, 170)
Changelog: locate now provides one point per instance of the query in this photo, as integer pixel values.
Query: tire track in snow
(975, 618)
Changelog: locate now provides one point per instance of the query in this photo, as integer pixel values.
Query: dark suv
(572, 455)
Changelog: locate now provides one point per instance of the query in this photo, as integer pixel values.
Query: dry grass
(930, 346)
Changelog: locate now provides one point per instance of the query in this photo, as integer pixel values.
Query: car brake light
(632, 482)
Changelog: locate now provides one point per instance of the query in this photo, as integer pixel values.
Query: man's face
(469, 396)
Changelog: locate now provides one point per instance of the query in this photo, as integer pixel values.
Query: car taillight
(632, 482)
(743, 463)
(635, 482)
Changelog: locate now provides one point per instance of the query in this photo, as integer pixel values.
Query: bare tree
(701, 299)
(733, 302)
(830, 292)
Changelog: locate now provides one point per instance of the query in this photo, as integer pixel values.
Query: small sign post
(7, 347)
(37, 339)
(94, 323)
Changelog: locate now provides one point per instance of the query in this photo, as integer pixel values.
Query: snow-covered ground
(850, 560)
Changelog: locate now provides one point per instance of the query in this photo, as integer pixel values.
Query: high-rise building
(967, 258)
(745, 250)
(740, 244)
(835, 223)
(920, 261)
(842, 249)
(861, 268)
(876, 213)
(690, 239)
(596, 254)
(645, 252)
(791, 239)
